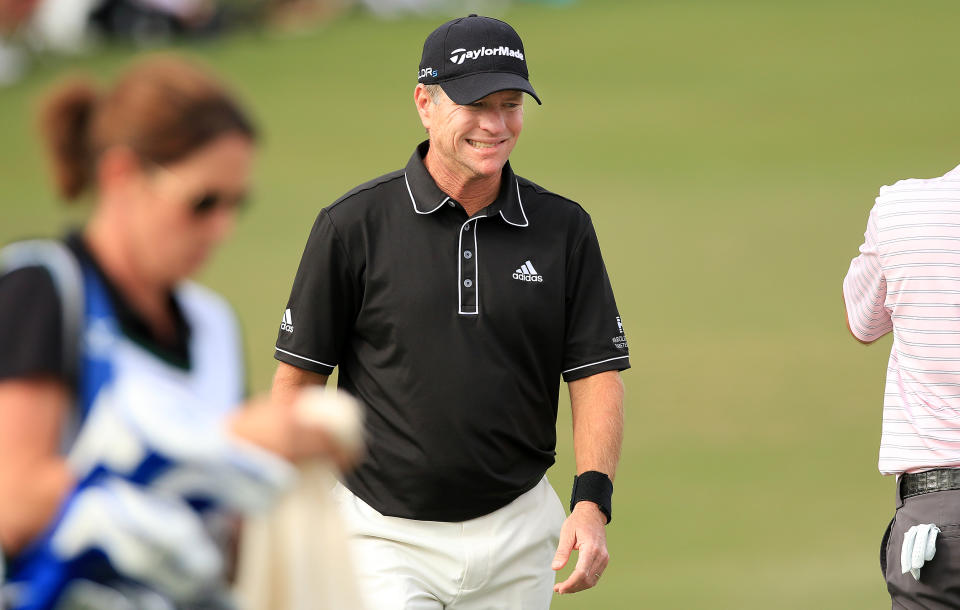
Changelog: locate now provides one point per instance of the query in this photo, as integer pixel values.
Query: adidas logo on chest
(526, 273)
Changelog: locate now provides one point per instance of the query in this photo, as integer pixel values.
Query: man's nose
(493, 120)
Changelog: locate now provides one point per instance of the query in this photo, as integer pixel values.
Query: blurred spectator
(398, 8)
(303, 14)
(70, 26)
(13, 60)
(123, 457)
(149, 22)
(15, 12)
(61, 25)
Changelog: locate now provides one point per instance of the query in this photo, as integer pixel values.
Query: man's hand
(584, 530)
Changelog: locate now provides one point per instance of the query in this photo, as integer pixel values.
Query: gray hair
(435, 92)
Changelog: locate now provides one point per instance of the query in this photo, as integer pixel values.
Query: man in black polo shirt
(454, 295)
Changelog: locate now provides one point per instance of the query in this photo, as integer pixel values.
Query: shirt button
(451, 204)
(466, 227)
(467, 254)
(467, 283)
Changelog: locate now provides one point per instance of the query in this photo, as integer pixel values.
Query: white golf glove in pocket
(919, 546)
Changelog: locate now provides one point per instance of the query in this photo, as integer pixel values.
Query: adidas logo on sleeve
(526, 273)
(287, 322)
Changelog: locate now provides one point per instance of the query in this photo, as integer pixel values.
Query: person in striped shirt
(906, 280)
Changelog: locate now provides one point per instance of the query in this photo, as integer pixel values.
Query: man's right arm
(289, 380)
(324, 300)
(287, 384)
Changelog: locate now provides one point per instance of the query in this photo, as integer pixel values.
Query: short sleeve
(323, 305)
(594, 339)
(31, 339)
(865, 289)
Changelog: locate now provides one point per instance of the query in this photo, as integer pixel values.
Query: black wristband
(595, 487)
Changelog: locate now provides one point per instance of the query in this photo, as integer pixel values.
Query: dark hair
(162, 108)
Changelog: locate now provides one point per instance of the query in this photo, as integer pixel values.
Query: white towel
(296, 556)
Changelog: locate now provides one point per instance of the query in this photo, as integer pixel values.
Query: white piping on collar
(414, 201)
(526, 221)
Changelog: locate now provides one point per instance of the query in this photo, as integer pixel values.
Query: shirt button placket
(468, 269)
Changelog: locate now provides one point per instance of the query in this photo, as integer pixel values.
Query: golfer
(906, 280)
(454, 295)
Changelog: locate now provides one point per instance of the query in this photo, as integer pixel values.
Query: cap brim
(468, 89)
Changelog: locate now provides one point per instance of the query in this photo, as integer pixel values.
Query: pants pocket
(938, 577)
(884, 542)
(560, 513)
(948, 531)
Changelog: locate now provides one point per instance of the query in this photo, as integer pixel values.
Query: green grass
(729, 153)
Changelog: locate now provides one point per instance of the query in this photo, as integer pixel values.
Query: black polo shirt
(454, 332)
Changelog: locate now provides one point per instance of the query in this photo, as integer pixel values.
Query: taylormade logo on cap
(458, 55)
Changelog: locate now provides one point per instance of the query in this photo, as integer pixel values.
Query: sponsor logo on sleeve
(287, 322)
(620, 341)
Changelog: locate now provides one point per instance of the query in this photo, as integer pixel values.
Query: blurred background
(728, 151)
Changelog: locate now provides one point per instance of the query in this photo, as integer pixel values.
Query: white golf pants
(500, 561)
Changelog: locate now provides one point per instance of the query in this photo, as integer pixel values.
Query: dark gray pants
(939, 584)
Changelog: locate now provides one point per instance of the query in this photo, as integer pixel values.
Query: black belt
(917, 483)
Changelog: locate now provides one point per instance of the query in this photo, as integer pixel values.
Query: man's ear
(425, 105)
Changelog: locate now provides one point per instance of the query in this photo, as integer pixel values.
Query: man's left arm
(597, 404)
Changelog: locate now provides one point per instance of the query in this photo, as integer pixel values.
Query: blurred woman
(119, 378)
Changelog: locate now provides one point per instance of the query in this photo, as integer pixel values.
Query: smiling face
(471, 142)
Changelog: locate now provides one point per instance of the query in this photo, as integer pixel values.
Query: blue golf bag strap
(101, 334)
(87, 319)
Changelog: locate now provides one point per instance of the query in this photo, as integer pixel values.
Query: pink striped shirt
(907, 279)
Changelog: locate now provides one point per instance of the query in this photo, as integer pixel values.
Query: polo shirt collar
(427, 197)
